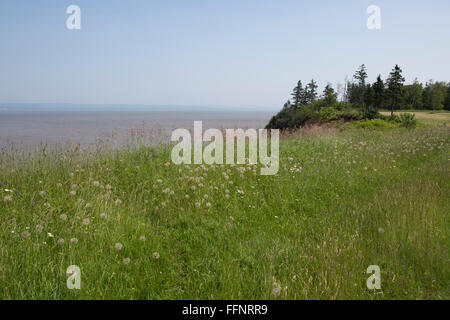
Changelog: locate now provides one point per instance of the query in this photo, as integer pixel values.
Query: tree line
(391, 94)
(361, 100)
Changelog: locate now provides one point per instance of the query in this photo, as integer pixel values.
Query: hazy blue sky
(210, 52)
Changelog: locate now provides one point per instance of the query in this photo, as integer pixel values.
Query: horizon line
(115, 105)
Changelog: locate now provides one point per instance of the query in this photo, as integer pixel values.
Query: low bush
(407, 120)
(371, 113)
(329, 113)
(370, 124)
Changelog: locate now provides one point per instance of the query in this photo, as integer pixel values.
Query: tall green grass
(339, 203)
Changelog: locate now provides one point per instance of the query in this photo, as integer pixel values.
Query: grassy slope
(338, 204)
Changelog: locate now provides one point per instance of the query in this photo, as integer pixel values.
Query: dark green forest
(359, 100)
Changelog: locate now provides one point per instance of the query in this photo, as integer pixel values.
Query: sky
(210, 52)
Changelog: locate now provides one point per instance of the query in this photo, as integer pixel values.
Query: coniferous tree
(369, 96)
(352, 96)
(395, 87)
(361, 76)
(370, 111)
(379, 93)
(311, 91)
(329, 96)
(297, 94)
(303, 97)
(328, 91)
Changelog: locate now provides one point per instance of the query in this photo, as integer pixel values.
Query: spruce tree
(303, 97)
(311, 91)
(369, 96)
(379, 93)
(329, 96)
(361, 76)
(395, 87)
(297, 94)
(328, 91)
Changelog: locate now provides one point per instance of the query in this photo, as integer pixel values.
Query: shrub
(294, 117)
(351, 114)
(371, 113)
(303, 116)
(408, 120)
(328, 113)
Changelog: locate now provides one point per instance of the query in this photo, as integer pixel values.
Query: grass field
(429, 117)
(140, 227)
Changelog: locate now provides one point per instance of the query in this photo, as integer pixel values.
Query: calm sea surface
(25, 129)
